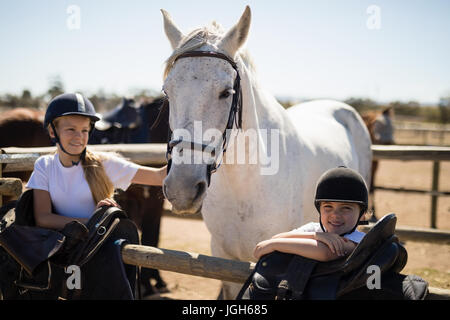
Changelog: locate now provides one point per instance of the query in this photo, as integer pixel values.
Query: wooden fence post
(434, 197)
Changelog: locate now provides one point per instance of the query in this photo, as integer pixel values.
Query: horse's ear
(236, 36)
(173, 33)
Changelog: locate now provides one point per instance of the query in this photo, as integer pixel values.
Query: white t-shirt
(356, 236)
(68, 188)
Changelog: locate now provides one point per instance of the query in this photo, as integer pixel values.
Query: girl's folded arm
(308, 248)
(295, 234)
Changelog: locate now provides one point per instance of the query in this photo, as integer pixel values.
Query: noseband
(235, 116)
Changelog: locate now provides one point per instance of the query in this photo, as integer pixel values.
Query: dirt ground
(430, 261)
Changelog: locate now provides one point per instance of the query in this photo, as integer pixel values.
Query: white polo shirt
(68, 188)
(356, 236)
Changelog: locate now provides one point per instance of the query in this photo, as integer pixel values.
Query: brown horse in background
(22, 127)
(381, 131)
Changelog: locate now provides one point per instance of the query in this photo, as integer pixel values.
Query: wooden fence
(208, 267)
(22, 159)
(422, 136)
(410, 153)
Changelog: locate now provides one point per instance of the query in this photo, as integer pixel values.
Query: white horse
(248, 202)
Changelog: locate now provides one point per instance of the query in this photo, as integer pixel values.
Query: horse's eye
(226, 93)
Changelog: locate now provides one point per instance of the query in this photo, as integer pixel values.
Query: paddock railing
(422, 136)
(208, 267)
(22, 159)
(414, 153)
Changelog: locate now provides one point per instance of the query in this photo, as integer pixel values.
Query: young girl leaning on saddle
(341, 199)
(70, 184)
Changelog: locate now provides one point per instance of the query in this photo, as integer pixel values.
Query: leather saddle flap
(101, 225)
(29, 246)
(381, 232)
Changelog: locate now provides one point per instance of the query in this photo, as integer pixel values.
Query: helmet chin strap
(56, 140)
(342, 234)
(359, 223)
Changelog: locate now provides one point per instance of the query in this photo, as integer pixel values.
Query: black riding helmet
(69, 104)
(342, 184)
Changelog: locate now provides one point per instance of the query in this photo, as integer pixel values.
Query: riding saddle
(34, 261)
(292, 277)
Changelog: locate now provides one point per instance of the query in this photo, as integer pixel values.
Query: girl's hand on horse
(337, 244)
(108, 202)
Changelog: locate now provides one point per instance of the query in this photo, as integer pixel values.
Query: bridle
(234, 117)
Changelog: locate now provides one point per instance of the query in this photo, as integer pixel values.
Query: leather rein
(234, 117)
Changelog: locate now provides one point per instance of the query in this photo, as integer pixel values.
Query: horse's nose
(199, 190)
(184, 193)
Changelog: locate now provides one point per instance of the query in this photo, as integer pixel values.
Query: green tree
(56, 86)
(362, 105)
(26, 100)
(444, 110)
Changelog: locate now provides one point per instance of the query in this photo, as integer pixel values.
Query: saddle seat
(124, 116)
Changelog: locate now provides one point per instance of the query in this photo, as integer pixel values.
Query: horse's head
(380, 126)
(203, 88)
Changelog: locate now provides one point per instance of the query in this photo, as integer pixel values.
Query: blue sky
(302, 49)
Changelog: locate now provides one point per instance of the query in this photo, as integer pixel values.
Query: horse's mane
(208, 35)
(370, 117)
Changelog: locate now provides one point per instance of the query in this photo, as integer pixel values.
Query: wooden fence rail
(22, 159)
(423, 136)
(414, 153)
(206, 266)
(410, 153)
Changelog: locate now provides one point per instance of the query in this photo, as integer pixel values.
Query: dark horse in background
(128, 123)
(381, 131)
